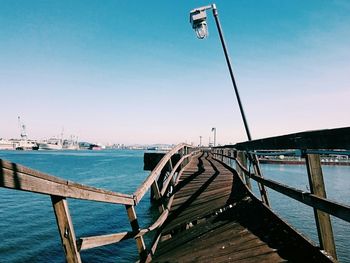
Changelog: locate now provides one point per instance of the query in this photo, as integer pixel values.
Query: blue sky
(133, 71)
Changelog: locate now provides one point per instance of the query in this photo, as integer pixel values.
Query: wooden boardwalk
(213, 218)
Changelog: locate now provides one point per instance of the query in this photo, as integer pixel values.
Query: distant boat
(152, 148)
(51, 144)
(95, 147)
(71, 144)
(25, 144)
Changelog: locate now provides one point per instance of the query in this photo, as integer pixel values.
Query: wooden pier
(214, 218)
(202, 225)
(207, 211)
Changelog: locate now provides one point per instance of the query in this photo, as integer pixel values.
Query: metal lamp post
(198, 18)
(214, 130)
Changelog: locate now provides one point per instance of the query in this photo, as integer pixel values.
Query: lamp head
(198, 19)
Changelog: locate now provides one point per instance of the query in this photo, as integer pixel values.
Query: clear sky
(133, 71)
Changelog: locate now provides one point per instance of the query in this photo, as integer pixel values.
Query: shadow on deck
(215, 218)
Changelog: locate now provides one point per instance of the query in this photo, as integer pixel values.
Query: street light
(198, 18)
(214, 130)
(199, 24)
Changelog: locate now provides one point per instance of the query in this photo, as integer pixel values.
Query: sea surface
(28, 225)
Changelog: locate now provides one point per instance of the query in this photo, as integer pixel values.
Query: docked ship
(71, 144)
(51, 144)
(96, 147)
(24, 143)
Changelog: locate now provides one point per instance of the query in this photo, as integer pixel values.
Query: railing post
(140, 243)
(183, 153)
(65, 227)
(262, 189)
(170, 169)
(157, 195)
(170, 165)
(243, 160)
(323, 221)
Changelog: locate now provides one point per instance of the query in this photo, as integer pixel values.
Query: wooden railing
(308, 145)
(13, 176)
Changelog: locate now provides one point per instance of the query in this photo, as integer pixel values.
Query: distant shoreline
(297, 162)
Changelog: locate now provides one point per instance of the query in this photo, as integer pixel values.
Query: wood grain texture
(66, 229)
(18, 177)
(317, 187)
(214, 218)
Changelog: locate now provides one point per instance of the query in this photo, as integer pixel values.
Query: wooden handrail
(168, 180)
(18, 177)
(102, 240)
(141, 191)
(14, 176)
(331, 207)
(310, 145)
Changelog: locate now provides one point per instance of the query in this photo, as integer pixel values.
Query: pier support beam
(65, 227)
(157, 196)
(243, 160)
(257, 170)
(140, 243)
(323, 221)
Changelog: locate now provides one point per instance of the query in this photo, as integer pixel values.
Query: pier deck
(213, 218)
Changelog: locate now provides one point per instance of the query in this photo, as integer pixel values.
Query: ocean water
(300, 216)
(28, 225)
(27, 221)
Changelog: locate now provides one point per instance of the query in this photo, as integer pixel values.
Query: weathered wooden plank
(158, 223)
(102, 240)
(193, 215)
(212, 189)
(213, 239)
(172, 173)
(141, 191)
(201, 234)
(330, 207)
(262, 190)
(242, 159)
(218, 195)
(66, 230)
(323, 221)
(18, 177)
(157, 195)
(140, 243)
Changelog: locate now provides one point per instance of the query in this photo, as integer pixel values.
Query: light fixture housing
(198, 19)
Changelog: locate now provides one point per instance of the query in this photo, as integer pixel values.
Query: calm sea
(28, 226)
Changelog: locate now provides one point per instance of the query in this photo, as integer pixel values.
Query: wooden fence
(18, 177)
(309, 145)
